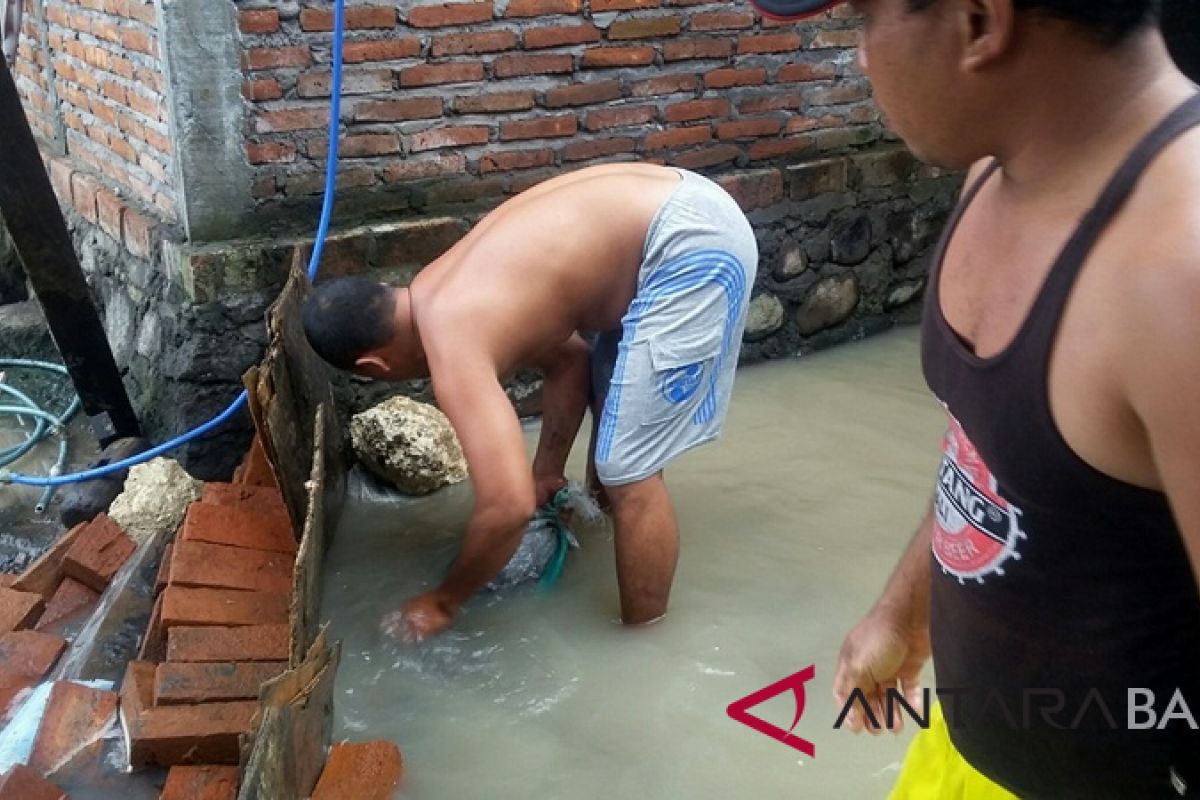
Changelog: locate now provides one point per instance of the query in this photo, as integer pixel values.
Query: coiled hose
(46, 423)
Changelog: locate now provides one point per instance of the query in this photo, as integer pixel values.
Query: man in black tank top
(1054, 579)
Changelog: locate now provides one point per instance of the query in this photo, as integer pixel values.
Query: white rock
(155, 498)
(409, 444)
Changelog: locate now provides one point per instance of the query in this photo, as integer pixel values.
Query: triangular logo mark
(738, 710)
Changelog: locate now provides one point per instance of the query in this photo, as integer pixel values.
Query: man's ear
(371, 364)
(987, 32)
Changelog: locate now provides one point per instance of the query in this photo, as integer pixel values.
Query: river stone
(156, 497)
(793, 263)
(831, 301)
(851, 235)
(902, 294)
(764, 317)
(410, 444)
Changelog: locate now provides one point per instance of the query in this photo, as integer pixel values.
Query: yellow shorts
(934, 769)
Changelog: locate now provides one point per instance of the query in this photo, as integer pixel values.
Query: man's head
(365, 327)
(954, 77)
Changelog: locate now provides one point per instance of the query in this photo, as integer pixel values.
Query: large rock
(156, 498)
(409, 444)
(764, 317)
(831, 301)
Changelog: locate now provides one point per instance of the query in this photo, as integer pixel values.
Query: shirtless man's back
(659, 262)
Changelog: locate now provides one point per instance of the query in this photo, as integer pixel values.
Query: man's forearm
(564, 400)
(490, 542)
(907, 592)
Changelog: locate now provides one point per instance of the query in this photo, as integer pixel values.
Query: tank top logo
(975, 530)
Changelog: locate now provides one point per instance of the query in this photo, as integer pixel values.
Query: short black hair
(1110, 21)
(346, 318)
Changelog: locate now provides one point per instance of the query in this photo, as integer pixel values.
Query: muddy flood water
(791, 524)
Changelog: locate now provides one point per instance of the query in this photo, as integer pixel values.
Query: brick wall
(469, 100)
(92, 76)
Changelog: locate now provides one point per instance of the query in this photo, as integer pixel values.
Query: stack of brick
(367, 771)
(60, 587)
(219, 630)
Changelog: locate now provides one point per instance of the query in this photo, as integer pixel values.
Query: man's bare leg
(647, 545)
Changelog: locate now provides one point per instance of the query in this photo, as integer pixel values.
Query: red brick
(678, 137)
(398, 110)
(603, 57)
(362, 81)
(207, 782)
(237, 526)
(582, 94)
(29, 653)
(749, 128)
(138, 234)
(643, 28)
(708, 157)
(184, 734)
(367, 771)
(769, 43)
(258, 20)
(139, 41)
(457, 44)
(153, 646)
(24, 783)
(697, 47)
(220, 567)
(493, 103)
(101, 549)
(74, 715)
(774, 148)
(164, 566)
(71, 599)
(276, 57)
(697, 109)
(600, 6)
(83, 195)
(837, 95)
(598, 148)
(721, 21)
(775, 101)
(515, 159)
(756, 189)
(381, 50)
(628, 116)
(293, 119)
(438, 138)
(19, 610)
(110, 209)
(449, 14)
(419, 169)
(542, 8)
(540, 128)
(262, 89)
(176, 683)
(560, 35)
(665, 84)
(249, 643)
(436, 74)
(60, 177)
(827, 39)
(361, 145)
(520, 66)
(188, 606)
(256, 468)
(270, 153)
(44, 575)
(355, 18)
(233, 494)
(726, 78)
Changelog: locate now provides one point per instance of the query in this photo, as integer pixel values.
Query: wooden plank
(39, 234)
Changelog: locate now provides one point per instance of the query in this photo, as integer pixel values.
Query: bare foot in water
(421, 617)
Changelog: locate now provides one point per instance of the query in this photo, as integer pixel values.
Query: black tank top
(1056, 588)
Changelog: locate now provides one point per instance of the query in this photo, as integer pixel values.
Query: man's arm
(1163, 384)
(891, 644)
(472, 398)
(566, 377)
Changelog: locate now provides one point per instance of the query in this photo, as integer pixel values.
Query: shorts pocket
(683, 373)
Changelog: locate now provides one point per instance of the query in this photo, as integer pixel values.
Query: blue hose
(314, 263)
(45, 422)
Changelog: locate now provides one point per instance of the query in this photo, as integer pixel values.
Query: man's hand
(546, 486)
(882, 652)
(423, 616)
